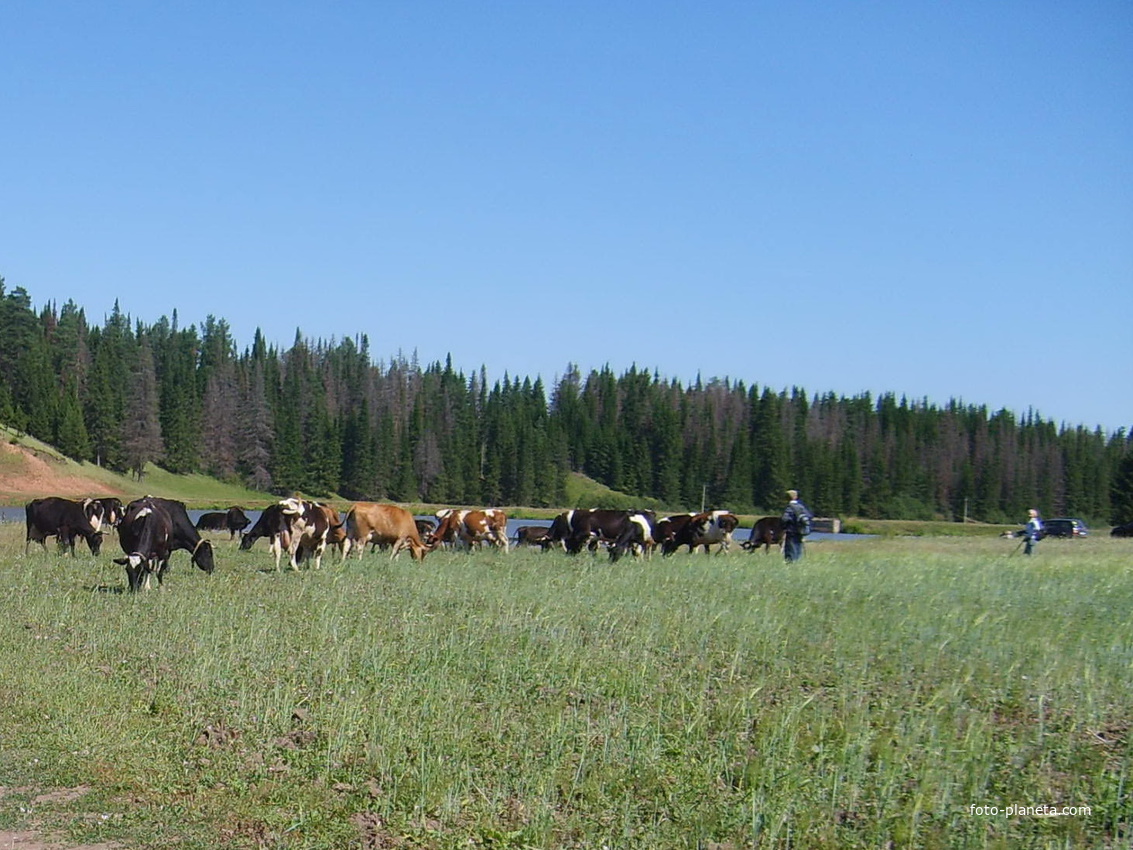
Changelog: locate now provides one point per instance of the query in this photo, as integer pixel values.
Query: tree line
(326, 418)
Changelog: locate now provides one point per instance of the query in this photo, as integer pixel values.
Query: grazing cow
(64, 519)
(146, 535)
(532, 535)
(182, 535)
(636, 537)
(370, 522)
(469, 528)
(425, 527)
(234, 521)
(310, 525)
(671, 533)
(273, 525)
(579, 529)
(704, 529)
(766, 532)
(214, 521)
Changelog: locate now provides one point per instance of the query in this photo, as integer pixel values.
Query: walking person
(1032, 532)
(796, 526)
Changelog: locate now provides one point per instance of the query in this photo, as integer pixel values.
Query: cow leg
(400, 544)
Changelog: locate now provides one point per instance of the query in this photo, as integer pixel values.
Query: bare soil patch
(32, 839)
(27, 474)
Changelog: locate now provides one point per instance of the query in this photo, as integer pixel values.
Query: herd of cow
(150, 529)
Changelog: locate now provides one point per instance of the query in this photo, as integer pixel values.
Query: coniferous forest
(326, 418)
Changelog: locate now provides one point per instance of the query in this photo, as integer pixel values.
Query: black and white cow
(273, 525)
(146, 535)
(637, 536)
(112, 512)
(65, 519)
(182, 533)
(579, 529)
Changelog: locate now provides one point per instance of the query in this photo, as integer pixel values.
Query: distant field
(871, 696)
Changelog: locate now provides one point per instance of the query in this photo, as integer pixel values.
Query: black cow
(65, 519)
(766, 532)
(182, 534)
(1123, 530)
(234, 520)
(146, 535)
(532, 535)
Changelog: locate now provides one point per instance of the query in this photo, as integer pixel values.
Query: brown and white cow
(717, 530)
(467, 528)
(695, 530)
(381, 524)
(310, 525)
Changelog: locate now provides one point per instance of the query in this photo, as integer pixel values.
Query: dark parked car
(1123, 530)
(1063, 527)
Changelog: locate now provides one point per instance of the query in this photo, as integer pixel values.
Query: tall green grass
(871, 694)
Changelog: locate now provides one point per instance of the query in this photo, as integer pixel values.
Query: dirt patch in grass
(27, 474)
(23, 840)
(36, 839)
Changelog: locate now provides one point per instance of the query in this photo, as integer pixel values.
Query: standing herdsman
(796, 526)
(1032, 531)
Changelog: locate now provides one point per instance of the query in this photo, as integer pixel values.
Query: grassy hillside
(31, 469)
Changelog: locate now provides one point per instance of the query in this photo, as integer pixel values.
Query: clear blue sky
(933, 199)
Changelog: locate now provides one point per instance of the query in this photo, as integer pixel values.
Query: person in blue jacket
(796, 526)
(1032, 532)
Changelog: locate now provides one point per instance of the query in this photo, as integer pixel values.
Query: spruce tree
(141, 432)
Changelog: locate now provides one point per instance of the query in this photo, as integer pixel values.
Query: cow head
(202, 556)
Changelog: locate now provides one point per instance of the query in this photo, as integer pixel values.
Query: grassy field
(870, 696)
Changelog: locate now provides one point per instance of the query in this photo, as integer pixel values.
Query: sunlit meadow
(879, 691)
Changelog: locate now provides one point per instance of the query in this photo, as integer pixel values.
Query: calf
(146, 535)
(384, 525)
(64, 519)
